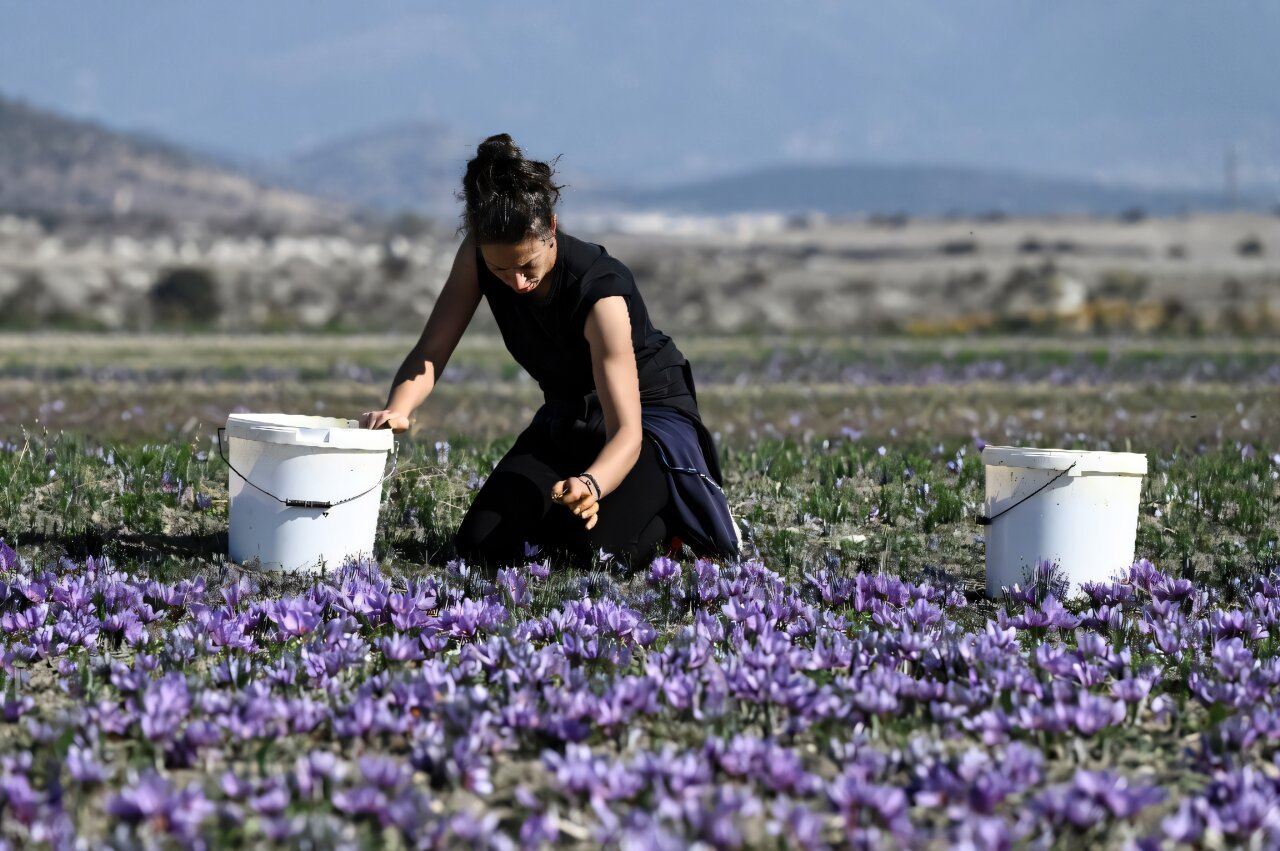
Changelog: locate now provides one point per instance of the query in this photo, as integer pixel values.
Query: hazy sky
(1146, 90)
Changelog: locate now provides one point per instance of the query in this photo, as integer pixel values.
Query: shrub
(960, 246)
(1250, 246)
(187, 295)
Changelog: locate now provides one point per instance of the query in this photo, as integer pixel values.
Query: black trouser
(514, 506)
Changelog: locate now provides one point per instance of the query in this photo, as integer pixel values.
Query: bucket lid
(1086, 461)
(332, 432)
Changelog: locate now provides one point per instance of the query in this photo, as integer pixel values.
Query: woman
(617, 459)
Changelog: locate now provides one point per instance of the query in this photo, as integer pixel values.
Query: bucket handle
(984, 520)
(306, 503)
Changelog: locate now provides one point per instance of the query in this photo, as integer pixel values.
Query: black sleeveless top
(546, 336)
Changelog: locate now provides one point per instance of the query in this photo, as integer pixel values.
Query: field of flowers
(845, 684)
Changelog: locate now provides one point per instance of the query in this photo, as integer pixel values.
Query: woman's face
(523, 266)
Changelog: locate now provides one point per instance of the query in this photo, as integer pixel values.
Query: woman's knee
(630, 547)
(501, 520)
(476, 535)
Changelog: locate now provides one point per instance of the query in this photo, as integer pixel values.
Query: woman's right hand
(393, 420)
(577, 496)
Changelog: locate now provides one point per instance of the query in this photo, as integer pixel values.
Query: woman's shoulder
(580, 255)
(590, 265)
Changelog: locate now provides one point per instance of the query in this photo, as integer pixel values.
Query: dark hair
(507, 198)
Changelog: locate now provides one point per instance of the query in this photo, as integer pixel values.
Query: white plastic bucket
(303, 492)
(1075, 508)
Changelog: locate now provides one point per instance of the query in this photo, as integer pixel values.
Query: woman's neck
(548, 283)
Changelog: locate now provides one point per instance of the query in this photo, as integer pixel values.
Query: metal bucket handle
(984, 520)
(305, 503)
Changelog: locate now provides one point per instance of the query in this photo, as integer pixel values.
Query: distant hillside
(915, 190)
(55, 165)
(418, 167)
(52, 165)
(412, 166)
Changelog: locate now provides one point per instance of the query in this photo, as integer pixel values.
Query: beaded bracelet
(590, 480)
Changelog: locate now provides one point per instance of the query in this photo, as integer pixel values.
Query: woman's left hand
(577, 496)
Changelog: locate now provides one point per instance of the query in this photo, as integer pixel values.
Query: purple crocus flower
(400, 648)
(1144, 575)
(1132, 689)
(1051, 615)
(13, 708)
(73, 592)
(8, 557)
(361, 801)
(797, 825)
(21, 800)
(127, 625)
(271, 802)
(35, 591)
(310, 772)
(281, 829)
(1167, 589)
(512, 581)
(293, 617)
(1121, 799)
(233, 787)
(1231, 659)
(1094, 712)
(539, 829)
(1233, 623)
(982, 832)
(189, 809)
(83, 767)
(458, 568)
(664, 572)
(856, 800)
(1058, 616)
(1185, 824)
(1108, 593)
(384, 772)
(465, 618)
(152, 799)
(1241, 805)
(708, 575)
(25, 620)
(405, 612)
(234, 594)
(435, 642)
(165, 705)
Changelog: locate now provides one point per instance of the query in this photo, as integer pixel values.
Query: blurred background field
(1159, 392)
(857, 273)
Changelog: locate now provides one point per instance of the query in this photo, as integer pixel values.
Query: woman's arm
(613, 362)
(424, 364)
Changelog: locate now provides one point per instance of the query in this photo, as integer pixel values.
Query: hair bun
(507, 198)
(499, 147)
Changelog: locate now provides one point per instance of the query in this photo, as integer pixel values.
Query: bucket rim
(1085, 460)
(307, 430)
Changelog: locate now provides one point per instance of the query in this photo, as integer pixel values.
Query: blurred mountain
(418, 167)
(52, 165)
(412, 166)
(63, 168)
(918, 190)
